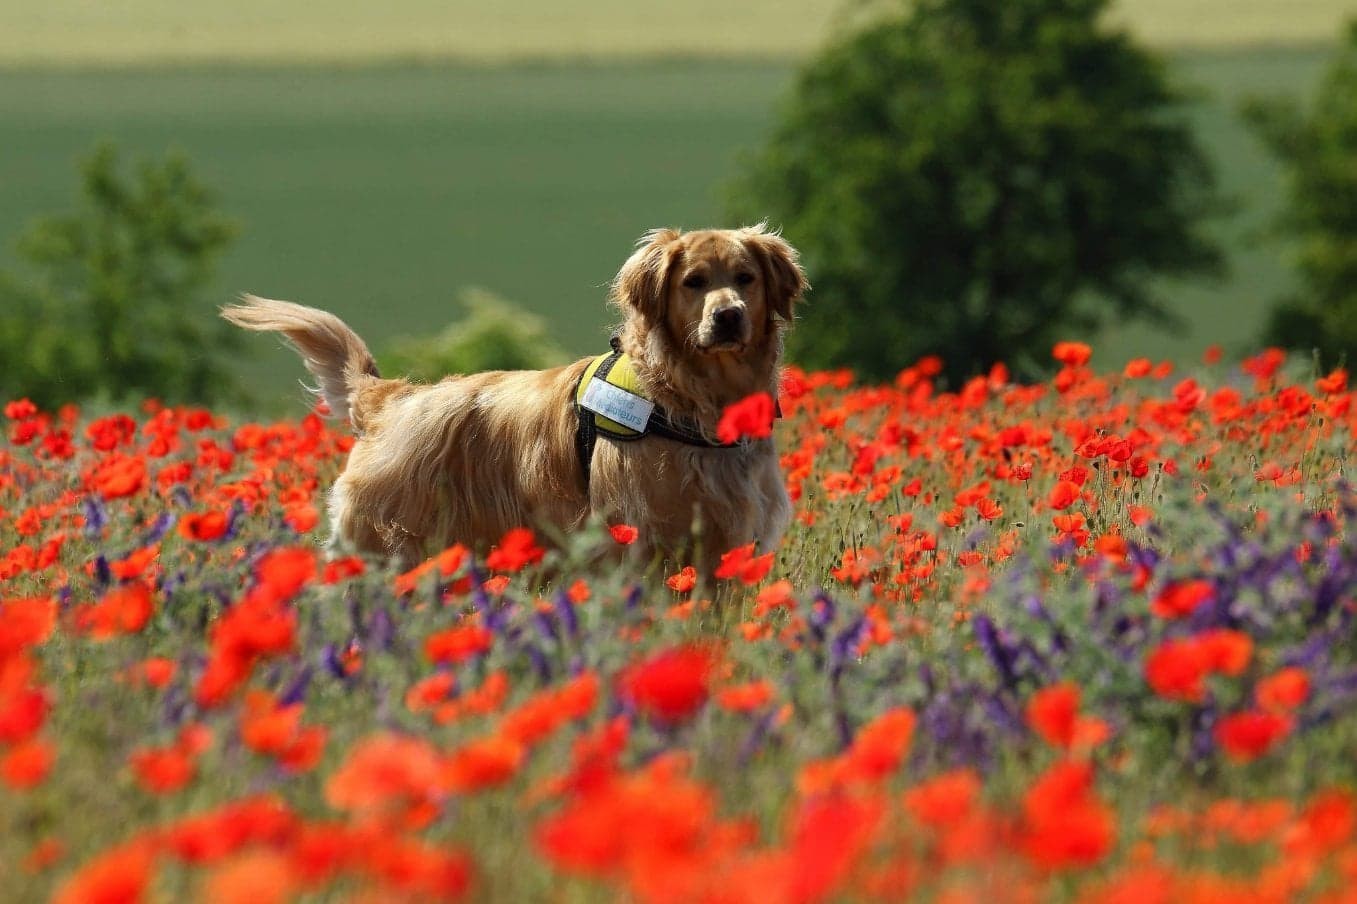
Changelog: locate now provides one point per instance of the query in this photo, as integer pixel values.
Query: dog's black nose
(727, 318)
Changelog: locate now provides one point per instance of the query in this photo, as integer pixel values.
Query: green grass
(1230, 311)
(379, 192)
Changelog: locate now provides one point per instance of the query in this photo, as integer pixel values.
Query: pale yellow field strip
(128, 32)
(1229, 23)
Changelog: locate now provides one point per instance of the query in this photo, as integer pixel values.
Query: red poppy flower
(43, 855)
(122, 874)
(282, 573)
(536, 718)
(495, 585)
(1224, 650)
(458, 644)
(337, 570)
(1065, 825)
(25, 623)
(1334, 383)
(203, 527)
(119, 476)
(741, 563)
(1063, 495)
(1245, 736)
(1052, 713)
(107, 433)
(1325, 824)
(257, 876)
(1264, 364)
(777, 595)
(275, 730)
(684, 581)
(880, 745)
(829, 837)
(123, 610)
(624, 534)
(136, 563)
(670, 686)
(413, 870)
(301, 517)
(27, 764)
(1180, 599)
(19, 409)
(23, 708)
(944, 799)
(386, 774)
(251, 629)
(751, 417)
(429, 692)
(743, 698)
(1072, 354)
(1177, 670)
(446, 564)
(1283, 690)
(481, 764)
(988, 509)
(306, 749)
(163, 770)
(517, 548)
(157, 671)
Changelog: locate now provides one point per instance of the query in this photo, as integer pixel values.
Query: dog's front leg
(777, 505)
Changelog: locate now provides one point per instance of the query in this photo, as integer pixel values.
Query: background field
(379, 191)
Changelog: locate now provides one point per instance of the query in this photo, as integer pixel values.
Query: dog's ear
(641, 283)
(784, 279)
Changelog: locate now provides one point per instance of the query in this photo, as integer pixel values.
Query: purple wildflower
(96, 516)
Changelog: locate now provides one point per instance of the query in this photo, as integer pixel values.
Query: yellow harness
(614, 369)
(609, 403)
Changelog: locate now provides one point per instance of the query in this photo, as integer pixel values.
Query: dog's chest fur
(708, 500)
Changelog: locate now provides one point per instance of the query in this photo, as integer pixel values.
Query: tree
(108, 303)
(495, 334)
(1318, 149)
(976, 178)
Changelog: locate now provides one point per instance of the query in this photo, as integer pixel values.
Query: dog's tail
(332, 352)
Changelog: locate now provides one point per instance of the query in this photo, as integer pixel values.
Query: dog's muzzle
(729, 326)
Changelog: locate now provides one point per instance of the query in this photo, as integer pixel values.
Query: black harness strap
(586, 434)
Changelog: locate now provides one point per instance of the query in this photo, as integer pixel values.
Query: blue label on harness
(616, 404)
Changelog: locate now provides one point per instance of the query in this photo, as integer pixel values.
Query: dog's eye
(695, 281)
(744, 279)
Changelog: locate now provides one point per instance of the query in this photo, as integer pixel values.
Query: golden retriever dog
(469, 458)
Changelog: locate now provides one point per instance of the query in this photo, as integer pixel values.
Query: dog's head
(713, 292)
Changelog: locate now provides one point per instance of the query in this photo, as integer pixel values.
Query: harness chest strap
(609, 403)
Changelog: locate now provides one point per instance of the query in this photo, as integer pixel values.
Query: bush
(107, 304)
(972, 178)
(495, 334)
(1318, 148)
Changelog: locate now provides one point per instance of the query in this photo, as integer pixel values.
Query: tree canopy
(108, 302)
(976, 178)
(494, 334)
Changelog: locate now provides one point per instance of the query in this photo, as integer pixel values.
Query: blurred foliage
(495, 334)
(106, 302)
(1318, 148)
(977, 178)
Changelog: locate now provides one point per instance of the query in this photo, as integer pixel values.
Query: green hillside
(380, 192)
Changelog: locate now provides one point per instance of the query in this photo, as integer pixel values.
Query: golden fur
(468, 458)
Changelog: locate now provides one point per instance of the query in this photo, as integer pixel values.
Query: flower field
(1087, 640)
